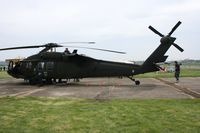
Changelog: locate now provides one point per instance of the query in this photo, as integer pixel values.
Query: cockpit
(13, 67)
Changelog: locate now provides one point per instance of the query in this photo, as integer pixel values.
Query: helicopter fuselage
(59, 65)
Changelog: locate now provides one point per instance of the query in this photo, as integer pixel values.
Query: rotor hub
(167, 39)
(51, 45)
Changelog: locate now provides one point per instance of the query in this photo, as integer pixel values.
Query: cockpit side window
(10, 65)
(50, 66)
(28, 65)
(40, 65)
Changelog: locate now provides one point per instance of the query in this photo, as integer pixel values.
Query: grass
(185, 72)
(4, 74)
(35, 115)
(190, 73)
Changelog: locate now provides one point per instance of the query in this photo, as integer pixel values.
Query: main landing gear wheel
(137, 82)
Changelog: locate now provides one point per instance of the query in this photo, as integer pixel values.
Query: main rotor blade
(23, 47)
(174, 28)
(113, 51)
(76, 42)
(49, 45)
(155, 31)
(178, 47)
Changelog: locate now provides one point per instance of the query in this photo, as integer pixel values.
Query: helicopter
(49, 65)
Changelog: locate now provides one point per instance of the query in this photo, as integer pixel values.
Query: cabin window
(28, 65)
(40, 65)
(49, 65)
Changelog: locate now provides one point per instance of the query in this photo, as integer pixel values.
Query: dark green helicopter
(48, 65)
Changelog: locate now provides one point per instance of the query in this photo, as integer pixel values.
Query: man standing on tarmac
(177, 71)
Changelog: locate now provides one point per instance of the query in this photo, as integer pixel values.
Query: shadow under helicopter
(90, 84)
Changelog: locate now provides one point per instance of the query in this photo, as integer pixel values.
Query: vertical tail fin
(159, 54)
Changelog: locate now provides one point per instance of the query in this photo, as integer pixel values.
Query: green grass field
(41, 115)
(4, 74)
(185, 72)
(36, 114)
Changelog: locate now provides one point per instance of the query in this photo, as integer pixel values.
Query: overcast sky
(113, 24)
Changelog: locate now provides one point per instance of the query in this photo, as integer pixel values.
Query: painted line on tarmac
(105, 94)
(172, 87)
(185, 90)
(26, 93)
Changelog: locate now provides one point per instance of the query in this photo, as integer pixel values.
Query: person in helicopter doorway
(177, 71)
(67, 51)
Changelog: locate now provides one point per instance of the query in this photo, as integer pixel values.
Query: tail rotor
(168, 38)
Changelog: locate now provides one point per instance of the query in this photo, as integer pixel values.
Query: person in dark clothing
(67, 51)
(177, 71)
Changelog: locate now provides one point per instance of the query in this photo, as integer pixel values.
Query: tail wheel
(137, 82)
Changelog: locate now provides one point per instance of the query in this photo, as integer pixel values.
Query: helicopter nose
(15, 71)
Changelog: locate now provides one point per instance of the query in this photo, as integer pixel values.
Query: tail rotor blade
(178, 47)
(155, 31)
(174, 28)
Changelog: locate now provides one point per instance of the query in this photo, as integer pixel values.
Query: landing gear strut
(137, 82)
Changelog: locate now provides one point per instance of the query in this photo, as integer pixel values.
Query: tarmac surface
(107, 88)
